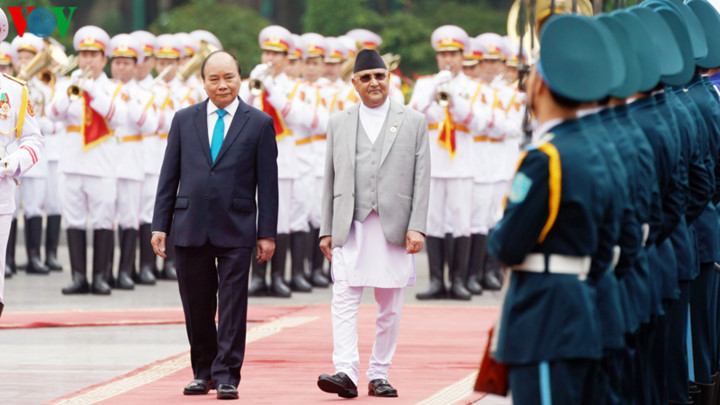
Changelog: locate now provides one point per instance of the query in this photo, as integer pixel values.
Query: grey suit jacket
(403, 181)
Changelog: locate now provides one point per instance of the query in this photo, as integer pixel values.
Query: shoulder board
(15, 79)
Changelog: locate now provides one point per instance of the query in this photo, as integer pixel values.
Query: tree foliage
(236, 27)
(404, 25)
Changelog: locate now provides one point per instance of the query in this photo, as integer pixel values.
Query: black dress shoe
(339, 384)
(226, 391)
(381, 388)
(198, 387)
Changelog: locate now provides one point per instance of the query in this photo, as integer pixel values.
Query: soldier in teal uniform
(551, 227)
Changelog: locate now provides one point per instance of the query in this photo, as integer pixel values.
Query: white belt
(645, 232)
(556, 264)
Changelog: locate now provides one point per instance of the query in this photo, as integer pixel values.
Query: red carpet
(19, 320)
(439, 346)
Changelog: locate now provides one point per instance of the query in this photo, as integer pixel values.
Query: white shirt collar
(587, 111)
(381, 110)
(546, 126)
(231, 109)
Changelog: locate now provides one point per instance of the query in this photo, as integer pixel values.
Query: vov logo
(41, 21)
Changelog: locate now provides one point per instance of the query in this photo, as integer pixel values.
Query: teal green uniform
(558, 200)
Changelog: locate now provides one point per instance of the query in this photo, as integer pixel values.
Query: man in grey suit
(374, 213)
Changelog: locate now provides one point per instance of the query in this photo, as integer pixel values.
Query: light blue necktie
(218, 134)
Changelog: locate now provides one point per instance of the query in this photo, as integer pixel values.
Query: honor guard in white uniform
(493, 65)
(186, 93)
(191, 47)
(270, 90)
(445, 99)
(7, 57)
(32, 194)
(91, 107)
(18, 128)
(127, 53)
(294, 68)
(305, 225)
(152, 152)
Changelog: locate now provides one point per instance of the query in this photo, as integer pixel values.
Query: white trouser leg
(345, 306)
(316, 213)
(458, 196)
(147, 205)
(32, 195)
(300, 207)
(5, 221)
(482, 194)
(500, 189)
(436, 225)
(101, 194)
(285, 192)
(73, 201)
(128, 203)
(387, 326)
(52, 198)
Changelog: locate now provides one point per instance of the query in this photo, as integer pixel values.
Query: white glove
(259, 70)
(47, 127)
(443, 76)
(9, 166)
(89, 87)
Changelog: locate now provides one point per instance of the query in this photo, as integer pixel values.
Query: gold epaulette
(15, 79)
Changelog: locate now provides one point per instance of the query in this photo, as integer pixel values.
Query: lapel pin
(394, 127)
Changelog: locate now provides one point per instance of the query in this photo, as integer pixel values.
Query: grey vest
(367, 166)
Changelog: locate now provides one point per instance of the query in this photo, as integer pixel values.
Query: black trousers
(211, 278)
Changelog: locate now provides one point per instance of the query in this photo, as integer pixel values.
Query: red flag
(281, 130)
(447, 134)
(94, 129)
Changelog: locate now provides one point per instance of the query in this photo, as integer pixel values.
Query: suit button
(212, 173)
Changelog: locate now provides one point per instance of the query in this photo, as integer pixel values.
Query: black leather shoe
(339, 384)
(198, 387)
(381, 388)
(227, 391)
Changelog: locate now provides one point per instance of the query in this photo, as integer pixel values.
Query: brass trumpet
(41, 62)
(162, 74)
(74, 91)
(442, 93)
(195, 63)
(256, 85)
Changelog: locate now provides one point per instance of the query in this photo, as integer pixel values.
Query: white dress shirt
(372, 119)
(213, 116)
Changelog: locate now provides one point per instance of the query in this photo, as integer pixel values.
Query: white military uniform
(20, 131)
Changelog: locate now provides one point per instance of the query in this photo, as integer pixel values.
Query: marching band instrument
(195, 63)
(162, 74)
(74, 91)
(528, 16)
(442, 92)
(41, 62)
(256, 85)
(392, 61)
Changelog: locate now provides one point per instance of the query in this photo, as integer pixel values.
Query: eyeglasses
(366, 78)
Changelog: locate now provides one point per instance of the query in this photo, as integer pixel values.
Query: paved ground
(41, 364)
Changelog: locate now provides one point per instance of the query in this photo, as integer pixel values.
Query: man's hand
(265, 249)
(158, 243)
(326, 247)
(414, 241)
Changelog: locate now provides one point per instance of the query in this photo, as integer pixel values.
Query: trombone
(256, 85)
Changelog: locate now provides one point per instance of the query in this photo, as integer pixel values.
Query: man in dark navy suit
(221, 153)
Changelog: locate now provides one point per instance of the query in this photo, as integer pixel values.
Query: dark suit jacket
(215, 202)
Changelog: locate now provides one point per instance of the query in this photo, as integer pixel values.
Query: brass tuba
(41, 64)
(193, 65)
(536, 13)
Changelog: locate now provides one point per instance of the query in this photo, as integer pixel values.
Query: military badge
(520, 188)
(30, 109)
(4, 106)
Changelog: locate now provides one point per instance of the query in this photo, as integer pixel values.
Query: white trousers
(481, 202)
(129, 198)
(83, 196)
(449, 208)
(316, 212)
(301, 206)
(147, 200)
(32, 195)
(52, 193)
(5, 221)
(345, 306)
(285, 193)
(500, 190)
